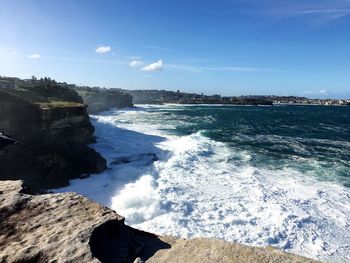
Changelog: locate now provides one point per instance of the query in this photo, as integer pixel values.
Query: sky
(226, 47)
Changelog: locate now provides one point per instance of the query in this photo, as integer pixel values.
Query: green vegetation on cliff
(45, 92)
(60, 104)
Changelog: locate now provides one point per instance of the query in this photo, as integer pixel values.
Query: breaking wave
(190, 185)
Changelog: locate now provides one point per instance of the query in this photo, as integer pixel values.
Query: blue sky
(228, 47)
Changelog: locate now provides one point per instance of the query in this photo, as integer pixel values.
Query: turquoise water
(277, 176)
(312, 139)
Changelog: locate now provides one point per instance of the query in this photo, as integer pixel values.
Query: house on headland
(7, 83)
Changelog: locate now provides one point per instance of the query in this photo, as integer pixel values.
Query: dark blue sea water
(275, 175)
(312, 139)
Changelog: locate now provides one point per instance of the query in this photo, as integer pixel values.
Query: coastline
(122, 183)
(167, 175)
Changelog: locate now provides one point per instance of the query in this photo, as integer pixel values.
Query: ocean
(273, 175)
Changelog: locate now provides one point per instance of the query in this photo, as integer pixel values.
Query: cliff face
(106, 102)
(70, 228)
(104, 99)
(51, 142)
(18, 117)
(70, 122)
(25, 120)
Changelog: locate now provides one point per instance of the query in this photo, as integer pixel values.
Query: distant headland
(99, 99)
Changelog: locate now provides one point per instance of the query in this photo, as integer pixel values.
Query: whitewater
(197, 186)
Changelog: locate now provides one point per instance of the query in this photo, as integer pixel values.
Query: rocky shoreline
(44, 136)
(70, 228)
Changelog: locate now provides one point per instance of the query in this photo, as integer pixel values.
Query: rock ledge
(70, 228)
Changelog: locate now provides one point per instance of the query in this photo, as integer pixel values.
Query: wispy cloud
(136, 64)
(308, 11)
(318, 16)
(321, 11)
(103, 49)
(238, 69)
(315, 12)
(156, 66)
(183, 67)
(198, 69)
(34, 56)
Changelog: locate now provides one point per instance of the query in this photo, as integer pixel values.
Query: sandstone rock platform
(70, 228)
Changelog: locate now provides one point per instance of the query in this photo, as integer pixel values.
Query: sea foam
(202, 188)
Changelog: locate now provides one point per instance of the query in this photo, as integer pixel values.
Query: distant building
(7, 84)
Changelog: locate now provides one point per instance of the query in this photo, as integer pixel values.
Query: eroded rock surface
(51, 142)
(70, 228)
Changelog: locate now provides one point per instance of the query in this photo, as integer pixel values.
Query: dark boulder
(143, 159)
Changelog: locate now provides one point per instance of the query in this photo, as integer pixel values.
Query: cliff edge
(99, 99)
(70, 228)
(51, 136)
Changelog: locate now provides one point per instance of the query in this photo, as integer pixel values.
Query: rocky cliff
(51, 141)
(70, 228)
(104, 99)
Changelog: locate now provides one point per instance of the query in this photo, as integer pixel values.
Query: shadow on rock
(113, 242)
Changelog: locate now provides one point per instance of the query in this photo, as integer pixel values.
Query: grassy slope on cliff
(46, 94)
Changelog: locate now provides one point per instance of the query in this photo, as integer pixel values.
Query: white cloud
(14, 52)
(315, 13)
(156, 66)
(135, 57)
(103, 49)
(34, 56)
(136, 64)
(322, 91)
